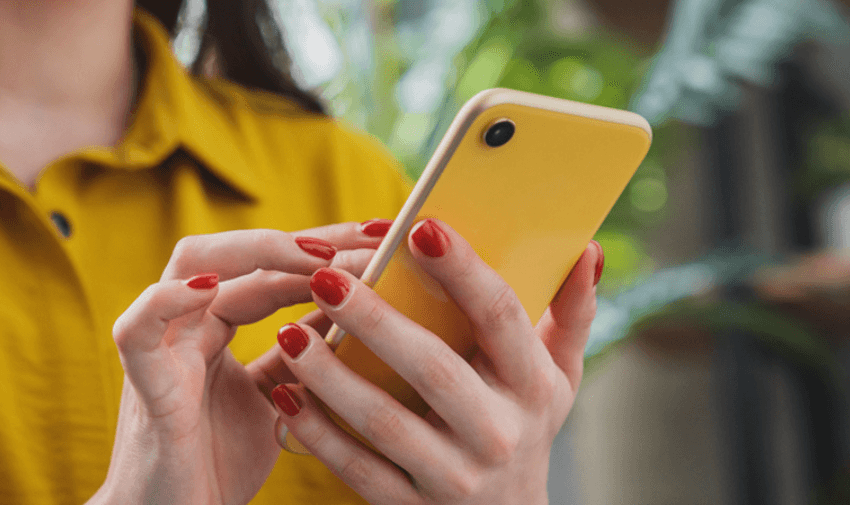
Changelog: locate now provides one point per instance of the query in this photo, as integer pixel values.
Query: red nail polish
(330, 285)
(376, 227)
(316, 247)
(430, 239)
(292, 339)
(203, 281)
(600, 263)
(286, 400)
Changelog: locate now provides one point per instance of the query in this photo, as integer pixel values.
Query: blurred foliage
(509, 44)
(827, 158)
(401, 69)
(784, 334)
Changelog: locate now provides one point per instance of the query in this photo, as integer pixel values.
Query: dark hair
(247, 43)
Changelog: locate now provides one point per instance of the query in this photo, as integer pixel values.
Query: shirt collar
(174, 110)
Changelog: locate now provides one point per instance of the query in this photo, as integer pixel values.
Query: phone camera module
(500, 133)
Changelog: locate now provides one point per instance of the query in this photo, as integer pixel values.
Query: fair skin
(488, 436)
(61, 87)
(195, 425)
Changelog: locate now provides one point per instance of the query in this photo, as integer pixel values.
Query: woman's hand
(490, 431)
(194, 426)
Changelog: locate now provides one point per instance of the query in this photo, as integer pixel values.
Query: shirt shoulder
(289, 145)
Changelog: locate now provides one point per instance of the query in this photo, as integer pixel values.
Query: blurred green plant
(514, 45)
(827, 158)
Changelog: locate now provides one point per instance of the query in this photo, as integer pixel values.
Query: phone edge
(467, 114)
(426, 182)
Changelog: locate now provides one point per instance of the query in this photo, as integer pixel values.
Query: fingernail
(292, 339)
(316, 247)
(600, 263)
(330, 285)
(286, 400)
(376, 227)
(203, 281)
(430, 239)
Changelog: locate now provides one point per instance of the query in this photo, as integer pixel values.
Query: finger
(565, 326)
(365, 235)
(235, 253)
(446, 382)
(373, 477)
(502, 327)
(269, 370)
(318, 320)
(140, 332)
(254, 297)
(405, 438)
(353, 261)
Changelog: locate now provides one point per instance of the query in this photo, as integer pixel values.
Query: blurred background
(717, 368)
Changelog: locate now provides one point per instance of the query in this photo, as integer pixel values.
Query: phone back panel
(528, 208)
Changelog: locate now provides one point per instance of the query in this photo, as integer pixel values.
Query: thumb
(140, 333)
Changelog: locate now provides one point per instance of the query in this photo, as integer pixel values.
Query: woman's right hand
(194, 425)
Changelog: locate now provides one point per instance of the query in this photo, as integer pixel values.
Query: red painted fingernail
(203, 281)
(430, 239)
(376, 227)
(600, 263)
(292, 339)
(286, 400)
(316, 247)
(330, 285)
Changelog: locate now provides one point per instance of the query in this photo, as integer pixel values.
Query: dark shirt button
(62, 223)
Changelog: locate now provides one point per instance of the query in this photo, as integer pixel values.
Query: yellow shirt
(200, 157)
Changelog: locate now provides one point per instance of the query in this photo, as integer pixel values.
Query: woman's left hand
(493, 420)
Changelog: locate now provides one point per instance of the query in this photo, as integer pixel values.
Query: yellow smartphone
(527, 180)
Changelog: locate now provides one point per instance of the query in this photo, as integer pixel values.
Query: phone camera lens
(500, 133)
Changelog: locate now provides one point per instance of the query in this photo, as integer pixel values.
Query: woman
(181, 163)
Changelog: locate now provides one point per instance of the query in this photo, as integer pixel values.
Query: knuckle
(185, 246)
(279, 287)
(503, 307)
(267, 244)
(123, 329)
(185, 251)
(372, 319)
(356, 473)
(384, 425)
(499, 440)
(272, 240)
(543, 389)
(470, 263)
(353, 261)
(439, 369)
(500, 447)
(463, 484)
(542, 382)
(342, 260)
(314, 437)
